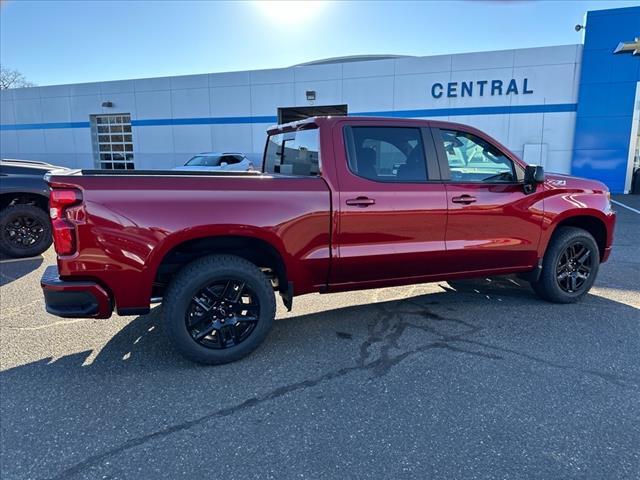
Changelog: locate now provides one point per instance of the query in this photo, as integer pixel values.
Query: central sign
(480, 88)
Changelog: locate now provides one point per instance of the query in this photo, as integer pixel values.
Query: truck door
(492, 223)
(391, 205)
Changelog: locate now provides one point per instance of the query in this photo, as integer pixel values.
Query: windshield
(204, 161)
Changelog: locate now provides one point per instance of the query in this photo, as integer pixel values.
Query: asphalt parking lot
(474, 379)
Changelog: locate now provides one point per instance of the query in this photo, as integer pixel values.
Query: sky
(55, 42)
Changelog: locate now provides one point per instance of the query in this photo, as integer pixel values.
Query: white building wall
(231, 101)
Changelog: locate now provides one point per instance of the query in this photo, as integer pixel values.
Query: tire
(210, 282)
(555, 282)
(25, 231)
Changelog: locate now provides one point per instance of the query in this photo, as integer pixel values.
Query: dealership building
(572, 108)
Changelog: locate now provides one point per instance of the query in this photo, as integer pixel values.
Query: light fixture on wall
(107, 104)
(579, 27)
(311, 95)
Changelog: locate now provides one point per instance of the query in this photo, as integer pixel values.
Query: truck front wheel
(569, 267)
(218, 309)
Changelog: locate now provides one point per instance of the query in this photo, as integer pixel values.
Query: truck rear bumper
(81, 299)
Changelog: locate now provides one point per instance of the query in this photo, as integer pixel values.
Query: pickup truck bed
(130, 225)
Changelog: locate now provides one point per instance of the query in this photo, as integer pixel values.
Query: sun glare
(289, 11)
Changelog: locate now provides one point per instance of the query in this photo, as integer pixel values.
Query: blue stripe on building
(44, 126)
(434, 112)
(203, 121)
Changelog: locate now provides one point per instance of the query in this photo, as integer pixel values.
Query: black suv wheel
(569, 267)
(25, 231)
(218, 309)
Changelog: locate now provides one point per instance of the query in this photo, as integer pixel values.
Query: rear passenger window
(386, 154)
(293, 153)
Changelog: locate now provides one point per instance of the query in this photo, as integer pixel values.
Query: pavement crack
(618, 380)
(381, 331)
(612, 378)
(385, 330)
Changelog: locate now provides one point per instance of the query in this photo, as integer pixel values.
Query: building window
(112, 141)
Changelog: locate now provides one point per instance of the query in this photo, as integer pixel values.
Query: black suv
(25, 228)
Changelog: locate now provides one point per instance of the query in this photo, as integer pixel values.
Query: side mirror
(224, 164)
(533, 175)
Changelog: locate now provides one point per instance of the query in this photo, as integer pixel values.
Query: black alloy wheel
(24, 231)
(569, 266)
(223, 314)
(574, 267)
(218, 309)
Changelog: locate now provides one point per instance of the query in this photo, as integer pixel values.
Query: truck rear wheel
(218, 309)
(25, 231)
(569, 267)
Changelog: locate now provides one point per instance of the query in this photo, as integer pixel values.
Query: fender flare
(211, 231)
(549, 229)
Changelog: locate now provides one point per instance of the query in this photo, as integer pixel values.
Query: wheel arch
(590, 222)
(24, 198)
(256, 250)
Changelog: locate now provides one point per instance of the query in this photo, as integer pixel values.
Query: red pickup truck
(343, 203)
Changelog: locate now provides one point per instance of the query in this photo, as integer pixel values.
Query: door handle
(361, 201)
(466, 199)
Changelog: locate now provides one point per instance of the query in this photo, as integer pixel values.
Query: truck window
(386, 154)
(293, 153)
(471, 159)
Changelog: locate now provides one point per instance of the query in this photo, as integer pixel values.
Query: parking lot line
(626, 206)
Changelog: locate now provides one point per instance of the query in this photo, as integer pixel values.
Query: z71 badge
(557, 183)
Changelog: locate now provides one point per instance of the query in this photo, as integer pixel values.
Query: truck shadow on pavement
(12, 269)
(138, 387)
(462, 309)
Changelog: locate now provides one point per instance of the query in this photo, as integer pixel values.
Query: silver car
(212, 161)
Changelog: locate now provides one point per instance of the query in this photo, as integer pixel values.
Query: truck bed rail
(181, 173)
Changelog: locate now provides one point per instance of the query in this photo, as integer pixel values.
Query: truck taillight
(63, 228)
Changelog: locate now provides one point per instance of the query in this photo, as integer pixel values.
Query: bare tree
(13, 79)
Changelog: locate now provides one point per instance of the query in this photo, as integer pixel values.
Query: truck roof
(327, 120)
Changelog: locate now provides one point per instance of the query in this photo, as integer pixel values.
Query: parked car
(230, 162)
(25, 228)
(344, 203)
